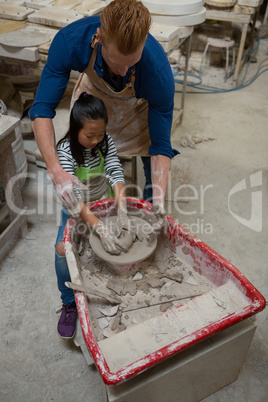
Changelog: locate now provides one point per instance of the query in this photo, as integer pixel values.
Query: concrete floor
(35, 364)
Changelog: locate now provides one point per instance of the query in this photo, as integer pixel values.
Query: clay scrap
(160, 283)
(157, 332)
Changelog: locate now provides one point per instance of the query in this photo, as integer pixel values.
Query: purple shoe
(67, 321)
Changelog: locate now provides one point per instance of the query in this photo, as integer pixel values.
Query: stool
(221, 43)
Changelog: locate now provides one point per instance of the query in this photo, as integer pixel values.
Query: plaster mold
(173, 7)
(181, 20)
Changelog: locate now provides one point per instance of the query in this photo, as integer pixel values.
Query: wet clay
(126, 238)
(138, 250)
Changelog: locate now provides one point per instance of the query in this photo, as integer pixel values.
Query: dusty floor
(35, 364)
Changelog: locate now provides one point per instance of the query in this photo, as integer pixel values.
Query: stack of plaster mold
(90, 7)
(22, 44)
(179, 13)
(169, 36)
(59, 13)
(20, 90)
(14, 10)
(37, 4)
(220, 3)
(11, 104)
(238, 6)
(11, 98)
(250, 3)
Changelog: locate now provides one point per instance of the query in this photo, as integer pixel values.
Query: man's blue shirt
(71, 50)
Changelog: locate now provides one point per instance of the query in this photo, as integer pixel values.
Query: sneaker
(67, 321)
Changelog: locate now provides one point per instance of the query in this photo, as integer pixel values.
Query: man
(127, 68)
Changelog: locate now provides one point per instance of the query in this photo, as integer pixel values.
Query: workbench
(187, 40)
(14, 204)
(189, 376)
(246, 15)
(193, 374)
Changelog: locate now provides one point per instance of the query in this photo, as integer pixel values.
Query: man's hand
(63, 183)
(123, 222)
(110, 241)
(159, 219)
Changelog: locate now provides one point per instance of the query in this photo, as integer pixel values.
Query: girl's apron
(127, 115)
(96, 181)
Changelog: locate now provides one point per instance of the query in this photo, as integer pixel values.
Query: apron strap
(94, 44)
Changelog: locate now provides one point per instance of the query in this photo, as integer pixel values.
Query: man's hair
(127, 23)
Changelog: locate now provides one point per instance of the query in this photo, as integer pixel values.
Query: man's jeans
(147, 192)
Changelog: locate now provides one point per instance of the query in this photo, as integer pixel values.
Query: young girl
(88, 152)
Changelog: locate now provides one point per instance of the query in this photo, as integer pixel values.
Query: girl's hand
(109, 240)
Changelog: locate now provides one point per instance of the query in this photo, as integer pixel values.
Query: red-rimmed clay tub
(182, 325)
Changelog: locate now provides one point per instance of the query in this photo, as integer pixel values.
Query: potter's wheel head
(138, 252)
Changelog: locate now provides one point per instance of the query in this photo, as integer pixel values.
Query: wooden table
(178, 112)
(14, 204)
(245, 20)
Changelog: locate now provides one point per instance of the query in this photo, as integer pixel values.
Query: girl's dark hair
(86, 107)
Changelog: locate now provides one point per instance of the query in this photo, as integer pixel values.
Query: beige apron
(127, 115)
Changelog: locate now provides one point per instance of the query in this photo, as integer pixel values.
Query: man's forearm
(45, 138)
(62, 180)
(120, 194)
(160, 166)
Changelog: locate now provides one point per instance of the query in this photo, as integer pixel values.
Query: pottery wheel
(139, 250)
(23, 38)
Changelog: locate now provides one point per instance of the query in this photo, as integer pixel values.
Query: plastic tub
(196, 253)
